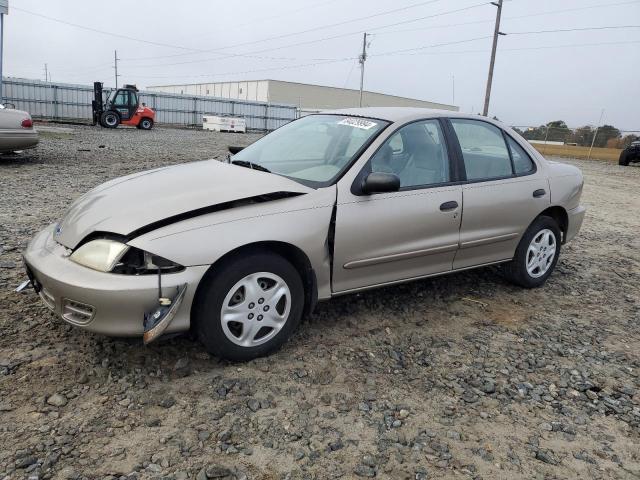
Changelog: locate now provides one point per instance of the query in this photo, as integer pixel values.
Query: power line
(454, 52)
(519, 49)
(612, 27)
(513, 17)
(103, 32)
(300, 32)
(308, 42)
(337, 60)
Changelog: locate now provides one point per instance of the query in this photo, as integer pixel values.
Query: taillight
(27, 123)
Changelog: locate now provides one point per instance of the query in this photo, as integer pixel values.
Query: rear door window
(484, 150)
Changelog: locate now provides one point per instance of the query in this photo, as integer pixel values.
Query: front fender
(301, 221)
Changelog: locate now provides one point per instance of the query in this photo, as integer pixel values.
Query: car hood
(128, 205)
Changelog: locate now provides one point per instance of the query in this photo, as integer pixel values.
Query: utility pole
(593, 141)
(363, 58)
(4, 10)
(453, 89)
(115, 65)
(496, 32)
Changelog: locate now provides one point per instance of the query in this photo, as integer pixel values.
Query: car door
(122, 104)
(505, 190)
(389, 237)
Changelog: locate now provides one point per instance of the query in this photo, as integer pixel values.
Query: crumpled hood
(127, 204)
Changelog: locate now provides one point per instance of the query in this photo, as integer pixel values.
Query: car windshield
(313, 150)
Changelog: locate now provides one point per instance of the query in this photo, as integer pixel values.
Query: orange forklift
(121, 108)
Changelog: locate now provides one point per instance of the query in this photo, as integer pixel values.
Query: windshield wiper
(251, 165)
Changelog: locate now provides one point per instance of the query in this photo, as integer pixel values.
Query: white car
(16, 130)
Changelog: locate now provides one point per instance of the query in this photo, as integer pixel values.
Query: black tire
(624, 158)
(516, 270)
(110, 120)
(145, 124)
(219, 283)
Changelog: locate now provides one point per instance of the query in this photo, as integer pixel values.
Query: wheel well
(290, 252)
(559, 214)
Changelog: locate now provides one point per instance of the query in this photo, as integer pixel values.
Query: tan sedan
(16, 130)
(327, 205)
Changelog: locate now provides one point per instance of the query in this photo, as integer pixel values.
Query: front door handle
(446, 206)
(541, 192)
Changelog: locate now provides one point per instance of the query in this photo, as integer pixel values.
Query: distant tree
(604, 134)
(583, 136)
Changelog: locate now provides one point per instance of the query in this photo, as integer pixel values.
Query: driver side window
(416, 153)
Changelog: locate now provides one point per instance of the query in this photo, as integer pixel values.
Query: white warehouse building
(305, 96)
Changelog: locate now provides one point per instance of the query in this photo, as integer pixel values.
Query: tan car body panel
(269, 222)
(378, 239)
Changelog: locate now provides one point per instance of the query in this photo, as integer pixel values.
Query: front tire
(249, 306)
(537, 254)
(624, 158)
(110, 120)
(145, 124)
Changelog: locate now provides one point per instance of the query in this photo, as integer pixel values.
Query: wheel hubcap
(110, 120)
(255, 309)
(541, 252)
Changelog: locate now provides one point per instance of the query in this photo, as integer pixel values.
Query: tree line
(557, 131)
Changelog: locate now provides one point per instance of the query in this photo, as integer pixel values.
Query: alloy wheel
(541, 253)
(255, 309)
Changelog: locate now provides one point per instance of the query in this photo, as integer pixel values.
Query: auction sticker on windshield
(358, 123)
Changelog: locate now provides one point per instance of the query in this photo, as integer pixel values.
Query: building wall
(310, 97)
(304, 96)
(256, 91)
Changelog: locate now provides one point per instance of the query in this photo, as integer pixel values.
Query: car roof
(402, 114)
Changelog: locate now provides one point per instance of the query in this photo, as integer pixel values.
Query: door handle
(541, 192)
(446, 206)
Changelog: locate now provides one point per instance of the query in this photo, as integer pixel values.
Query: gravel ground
(463, 376)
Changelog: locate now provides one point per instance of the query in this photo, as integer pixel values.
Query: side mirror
(380, 182)
(233, 150)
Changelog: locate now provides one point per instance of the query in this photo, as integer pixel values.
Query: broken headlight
(139, 262)
(106, 255)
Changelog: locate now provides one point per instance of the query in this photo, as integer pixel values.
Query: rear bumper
(11, 140)
(104, 303)
(576, 216)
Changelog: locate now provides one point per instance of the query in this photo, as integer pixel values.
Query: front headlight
(107, 255)
(102, 254)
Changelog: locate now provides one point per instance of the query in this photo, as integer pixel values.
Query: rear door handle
(541, 192)
(446, 206)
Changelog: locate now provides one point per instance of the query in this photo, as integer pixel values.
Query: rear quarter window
(522, 162)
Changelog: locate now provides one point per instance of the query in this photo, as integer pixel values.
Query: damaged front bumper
(105, 303)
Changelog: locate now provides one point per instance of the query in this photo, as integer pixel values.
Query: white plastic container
(224, 124)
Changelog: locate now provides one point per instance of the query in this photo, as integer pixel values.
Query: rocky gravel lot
(463, 376)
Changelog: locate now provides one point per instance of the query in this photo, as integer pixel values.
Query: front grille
(48, 299)
(76, 312)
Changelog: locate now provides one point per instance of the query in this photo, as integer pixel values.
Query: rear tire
(537, 254)
(624, 159)
(109, 120)
(249, 306)
(145, 124)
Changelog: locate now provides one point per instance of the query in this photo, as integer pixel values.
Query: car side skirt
(407, 280)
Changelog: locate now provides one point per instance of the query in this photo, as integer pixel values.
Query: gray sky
(532, 84)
